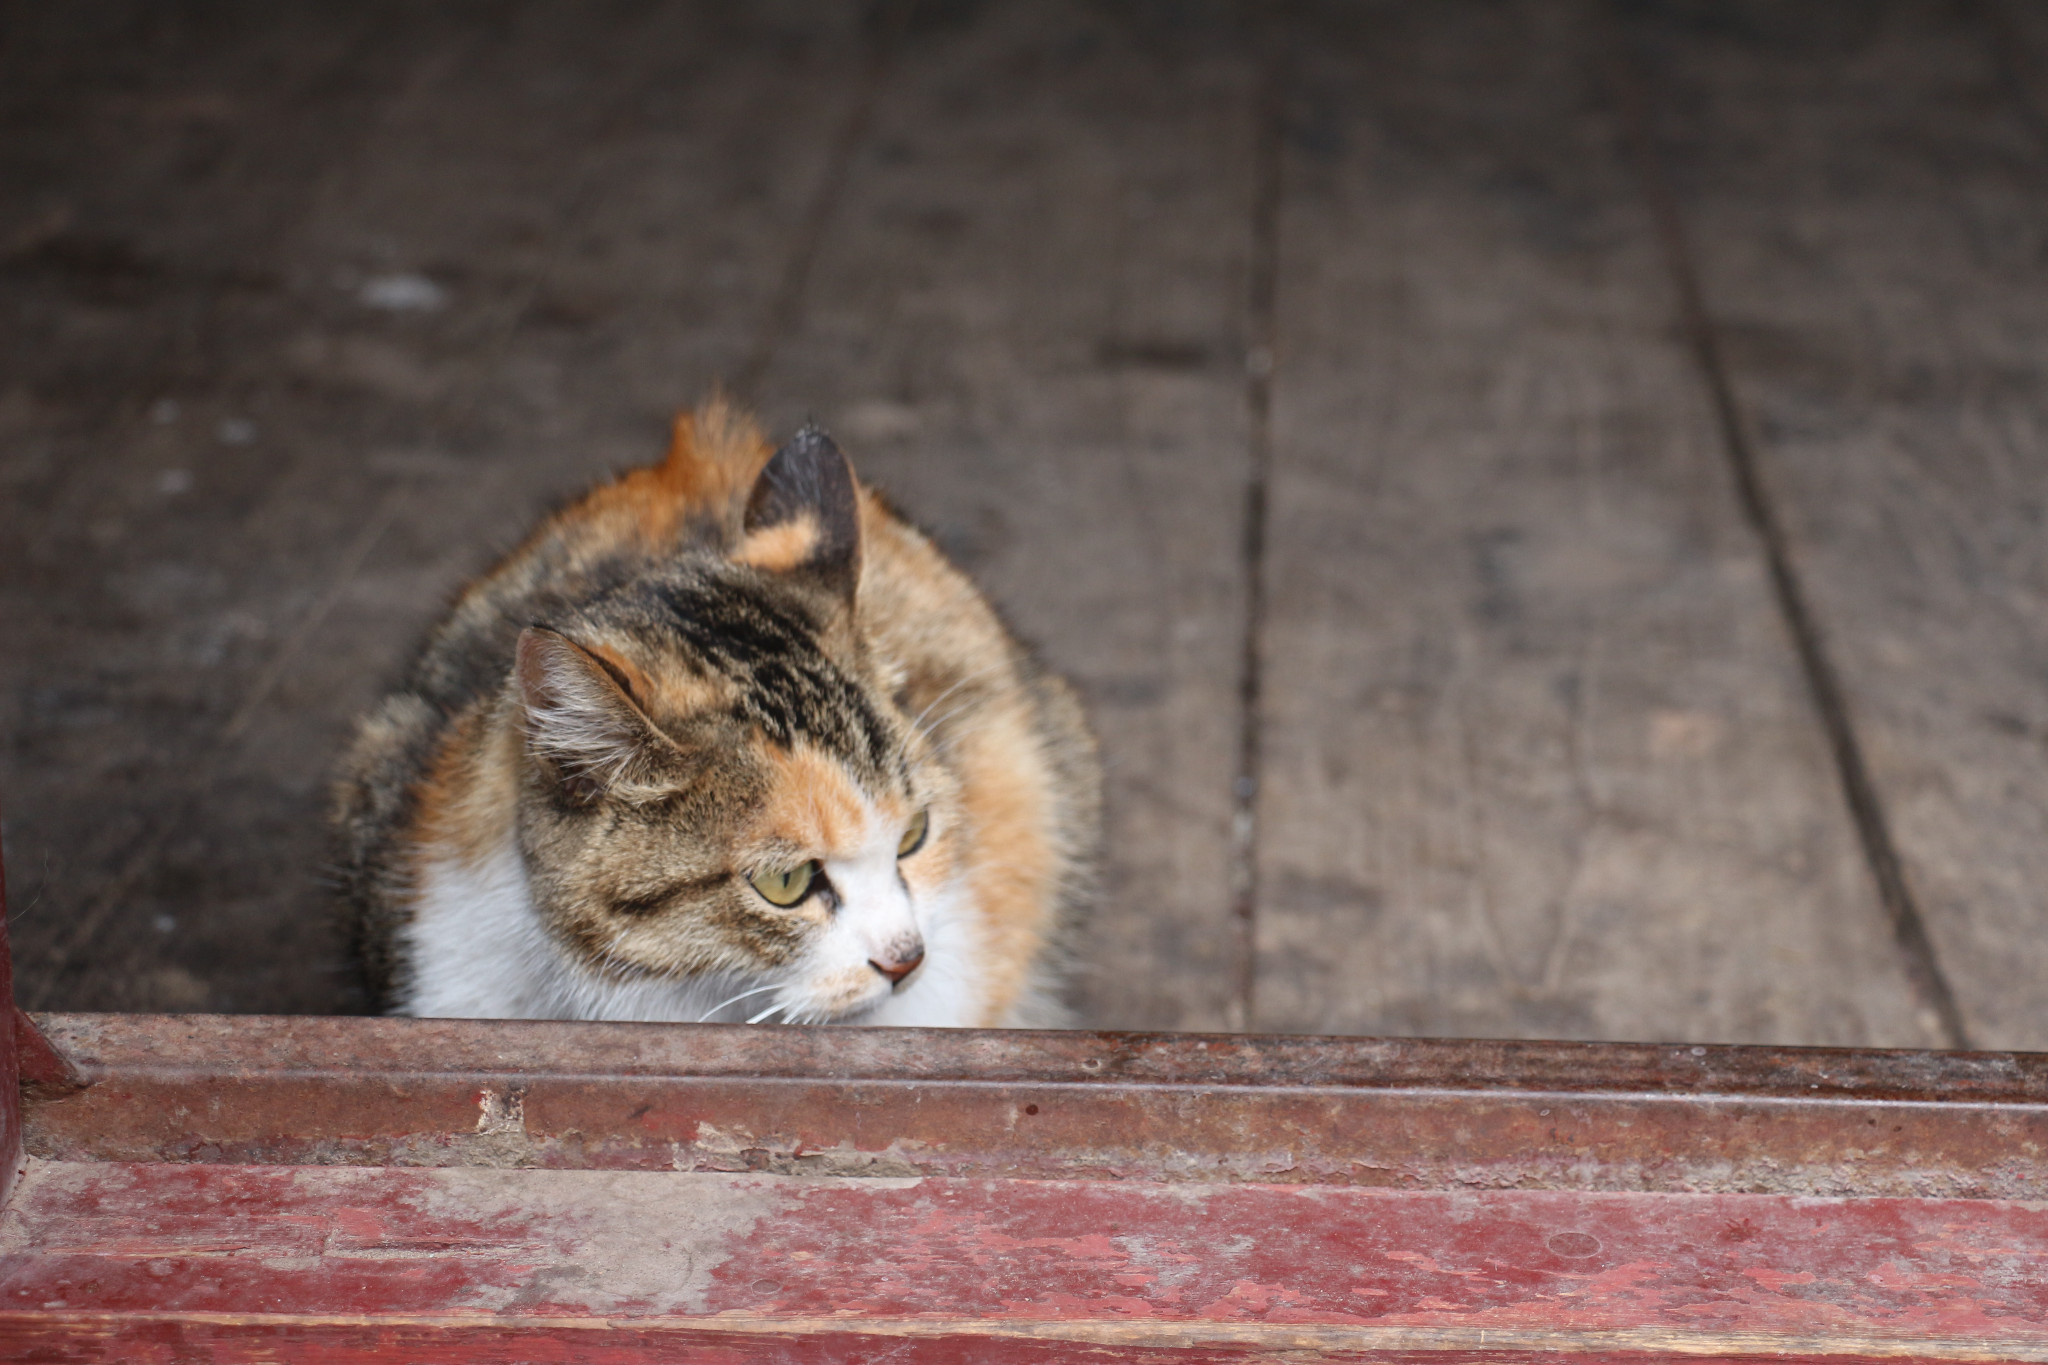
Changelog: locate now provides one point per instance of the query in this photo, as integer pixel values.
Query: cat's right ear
(803, 516)
(581, 724)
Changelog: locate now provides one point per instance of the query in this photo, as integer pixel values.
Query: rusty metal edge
(1417, 1114)
(354, 1045)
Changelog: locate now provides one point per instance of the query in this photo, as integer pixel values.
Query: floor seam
(1866, 807)
(1259, 362)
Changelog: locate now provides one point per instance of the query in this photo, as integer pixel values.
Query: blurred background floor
(1544, 500)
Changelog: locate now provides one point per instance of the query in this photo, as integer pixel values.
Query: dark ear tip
(812, 439)
(811, 476)
(810, 459)
(810, 471)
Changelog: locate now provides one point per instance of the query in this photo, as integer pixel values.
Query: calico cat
(724, 739)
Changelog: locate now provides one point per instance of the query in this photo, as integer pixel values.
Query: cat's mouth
(819, 1011)
(857, 1014)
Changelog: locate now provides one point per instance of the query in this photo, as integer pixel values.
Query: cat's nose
(899, 964)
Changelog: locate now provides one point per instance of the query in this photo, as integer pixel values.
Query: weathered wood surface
(1539, 755)
(132, 611)
(140, 1263)
(1864, 188)
(309, 310)
(1025, 323)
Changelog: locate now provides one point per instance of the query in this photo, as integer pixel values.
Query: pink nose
(901, 967)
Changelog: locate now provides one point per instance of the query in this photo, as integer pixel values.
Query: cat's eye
(913, 838)
(786, 885)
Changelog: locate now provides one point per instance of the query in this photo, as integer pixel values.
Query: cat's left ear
(803, 516)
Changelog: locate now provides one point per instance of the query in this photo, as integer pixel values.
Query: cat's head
(716, 783)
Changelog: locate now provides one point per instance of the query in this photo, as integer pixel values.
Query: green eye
(913, 838)
(787, 885)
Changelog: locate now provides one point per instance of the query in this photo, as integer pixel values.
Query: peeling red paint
(550, 1192)
(179, 1344)
(1264, 1253)
(96, 1250)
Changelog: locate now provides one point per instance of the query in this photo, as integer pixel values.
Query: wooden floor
(1545, 501)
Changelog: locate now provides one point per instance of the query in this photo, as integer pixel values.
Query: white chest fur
(479, 950)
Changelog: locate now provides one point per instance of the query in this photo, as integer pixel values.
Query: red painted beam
(1415, 1114)
(10, 1067)
(104, 1261)
(622, 1193)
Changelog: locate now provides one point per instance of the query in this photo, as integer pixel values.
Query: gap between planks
(1922, 965)
(1261, 295)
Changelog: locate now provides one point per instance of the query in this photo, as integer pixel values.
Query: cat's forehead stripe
(787, 685)
(812, 803)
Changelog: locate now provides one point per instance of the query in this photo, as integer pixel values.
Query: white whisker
(706, 1016)
(948, 743)
(775, 1008)
(918, 724)
(964, 706)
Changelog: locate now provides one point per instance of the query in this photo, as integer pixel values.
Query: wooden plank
(141, 1263)
(1026, 327)
(1539, 757)
(821, 1102)
(1863, 192)
(549, 233)
(157, 164)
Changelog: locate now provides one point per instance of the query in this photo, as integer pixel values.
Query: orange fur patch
(1012, 865)
(813, 805)
(783, 547)
(672, 693)
(469, 796)
(636, 681)
(714, 456)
